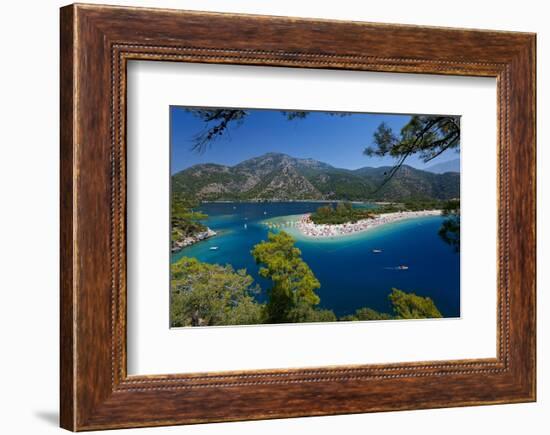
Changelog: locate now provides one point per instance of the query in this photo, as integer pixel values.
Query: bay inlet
(355, 270)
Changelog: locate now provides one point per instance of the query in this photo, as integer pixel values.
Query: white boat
(402, 267)
(214, 248)
(376, 251)
(245, 226)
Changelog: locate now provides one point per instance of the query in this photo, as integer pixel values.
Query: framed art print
(300, 218)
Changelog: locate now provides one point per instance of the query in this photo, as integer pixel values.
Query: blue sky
(338, 141)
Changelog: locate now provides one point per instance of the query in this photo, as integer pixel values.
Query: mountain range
(275, 176)
(441, 168)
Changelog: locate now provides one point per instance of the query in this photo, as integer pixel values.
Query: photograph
(297, 216)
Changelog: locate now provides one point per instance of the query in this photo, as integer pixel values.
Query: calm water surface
(351, 275)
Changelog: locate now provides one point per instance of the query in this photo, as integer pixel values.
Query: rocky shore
(310, 229)
(191, 240)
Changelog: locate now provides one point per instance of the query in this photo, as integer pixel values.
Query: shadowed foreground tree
(450, 229)
(427, 136)
(204, 294)
(217, 122)
(292, 297)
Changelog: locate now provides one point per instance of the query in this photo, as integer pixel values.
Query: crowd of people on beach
(310, 229)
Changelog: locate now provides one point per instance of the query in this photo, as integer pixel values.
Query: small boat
(402, 267)
(245, 226)
(376, 251)
(214, 248)
(265, 212)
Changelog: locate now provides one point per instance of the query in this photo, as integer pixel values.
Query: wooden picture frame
(96, 43)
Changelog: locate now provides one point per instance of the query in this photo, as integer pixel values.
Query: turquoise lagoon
(351, 275)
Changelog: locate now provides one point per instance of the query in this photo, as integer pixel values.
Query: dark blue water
(351, 275)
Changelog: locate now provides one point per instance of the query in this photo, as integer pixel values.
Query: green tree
(341, 209)
(294, 283)
(367, 313)
(343, 213)
(217, 122)
(325, 211)
(303, 312)
(181, 208)
(450, 229)
(427, 136)
(411, 306)
(204, 294)
(184, 221)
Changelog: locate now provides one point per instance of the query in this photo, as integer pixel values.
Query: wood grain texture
(96, 44)
(66, 134)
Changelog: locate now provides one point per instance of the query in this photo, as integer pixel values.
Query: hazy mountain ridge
(449, 166)
(275, 176)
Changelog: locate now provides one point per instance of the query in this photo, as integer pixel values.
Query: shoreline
(262, 201)
(191, 240)
(309, 229)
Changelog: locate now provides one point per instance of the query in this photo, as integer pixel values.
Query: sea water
(351, 274)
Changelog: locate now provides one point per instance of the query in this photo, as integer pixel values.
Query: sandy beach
(308, 228)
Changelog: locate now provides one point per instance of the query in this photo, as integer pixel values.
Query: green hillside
(281, 177)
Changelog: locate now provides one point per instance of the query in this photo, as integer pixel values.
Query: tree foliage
(294, 283)
(206, 294)
(404, 305)
(367, 313)
(218, 121)
(216, 124)
(185, 222)
(341, 214)
(182, 212)
(427, 136)
(303, 312)
(251, 180)
(344, 212)
(410, 205)
(411, 306)
(450, 229)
